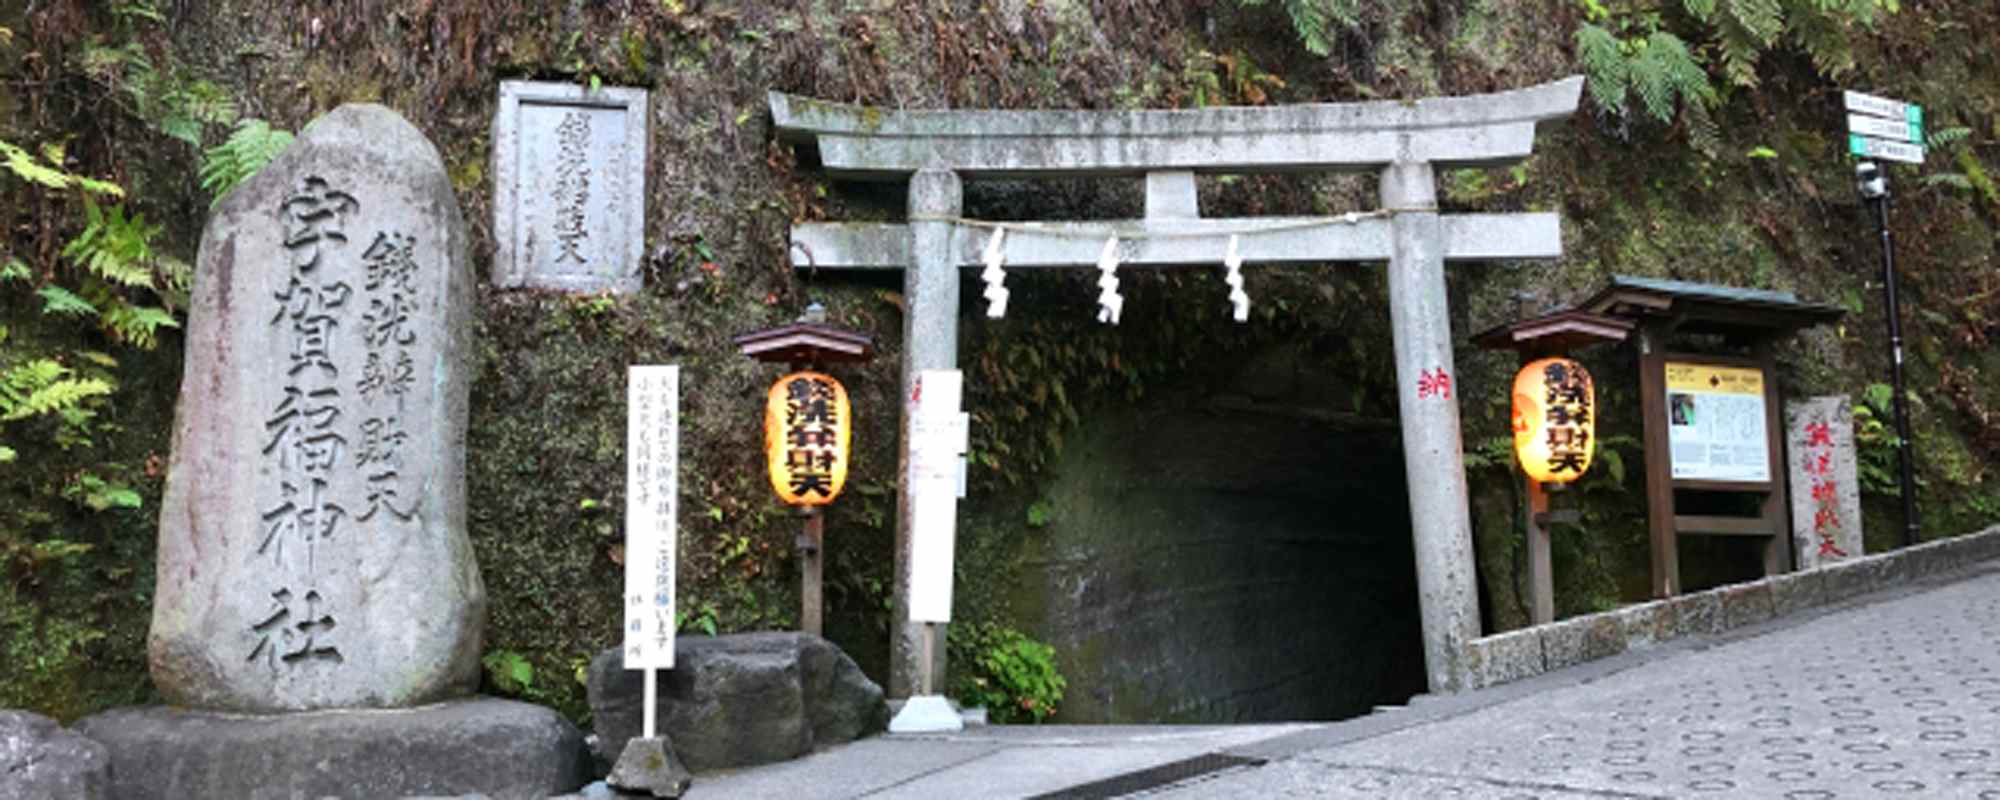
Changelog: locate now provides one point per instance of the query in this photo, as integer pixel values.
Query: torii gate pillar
(1433, 454)
(930, 341)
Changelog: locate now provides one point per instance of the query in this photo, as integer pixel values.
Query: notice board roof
(1709, 308)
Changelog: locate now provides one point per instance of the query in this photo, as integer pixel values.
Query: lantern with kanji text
(1554, 414)
(807, 431)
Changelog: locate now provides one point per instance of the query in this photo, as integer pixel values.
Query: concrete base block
(1849, 579)
(1797, 591)
(497, 748)
(1930, 558)
(1505, 657)
(1984, 546)
(1692, 615)
(649, 767)
(1574, 641)
(1746, 604)
(1893, 572)
(926, 714)
(1642, 624)
(1958, 551)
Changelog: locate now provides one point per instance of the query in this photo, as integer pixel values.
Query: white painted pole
(652, 699)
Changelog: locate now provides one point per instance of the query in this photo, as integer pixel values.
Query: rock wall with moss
(1750, 188)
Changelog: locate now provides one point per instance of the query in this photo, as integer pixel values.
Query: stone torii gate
(1404, 140)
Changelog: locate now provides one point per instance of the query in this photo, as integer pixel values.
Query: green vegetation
(254, 144)
(1317, 22)
(56, 391)
(1012, 676)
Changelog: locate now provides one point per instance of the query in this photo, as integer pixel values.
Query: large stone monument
(312, 539)
(317, 621)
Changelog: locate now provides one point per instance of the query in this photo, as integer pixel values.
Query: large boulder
(41, 761)
(313, 551)
(499, 749)
(738, 700)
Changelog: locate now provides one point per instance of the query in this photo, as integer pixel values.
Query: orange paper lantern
(1554, 414)
(807, 426)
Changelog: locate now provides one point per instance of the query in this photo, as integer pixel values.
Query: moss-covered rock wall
(1766, 204)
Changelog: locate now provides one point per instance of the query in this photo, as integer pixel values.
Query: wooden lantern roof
(1551, 334)
(808, 341)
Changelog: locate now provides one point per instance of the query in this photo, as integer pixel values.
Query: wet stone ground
(1896, 699)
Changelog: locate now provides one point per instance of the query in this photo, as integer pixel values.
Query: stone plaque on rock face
(1826, 494)
(313, 551)
(569, 187)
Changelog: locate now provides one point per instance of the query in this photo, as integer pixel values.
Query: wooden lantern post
(805, 346)
(1541, 337)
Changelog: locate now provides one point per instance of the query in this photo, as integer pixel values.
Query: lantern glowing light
(807, 427)
(1554, 414)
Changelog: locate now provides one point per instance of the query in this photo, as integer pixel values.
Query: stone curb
(1527, 652)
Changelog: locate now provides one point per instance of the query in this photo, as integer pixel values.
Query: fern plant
(1664, 60)
(1646, 61)
(47, 170)
(116, 281)
(1952, 142)
(180, 106)
(114, 254)
(1317, 22)
(254, 144)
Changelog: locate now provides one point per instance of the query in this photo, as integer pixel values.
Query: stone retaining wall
(1528, 652)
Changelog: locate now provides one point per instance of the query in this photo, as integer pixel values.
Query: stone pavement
(1898, 697)
(1894, 695)
(997, 761)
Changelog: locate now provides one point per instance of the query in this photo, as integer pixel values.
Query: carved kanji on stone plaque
(569, 179)
(312, 539)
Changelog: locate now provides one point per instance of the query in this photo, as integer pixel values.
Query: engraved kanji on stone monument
(1826, 492)
(312, 538)
(569, 179)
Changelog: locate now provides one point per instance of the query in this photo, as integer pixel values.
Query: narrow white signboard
(1885, 128)
(937, 442)
(652, 503)
(1881, 107)
(1867, 147)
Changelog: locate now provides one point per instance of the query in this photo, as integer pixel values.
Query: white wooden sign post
(652, 505)
(939, 435)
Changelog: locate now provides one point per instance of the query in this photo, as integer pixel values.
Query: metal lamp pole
(1874, 186)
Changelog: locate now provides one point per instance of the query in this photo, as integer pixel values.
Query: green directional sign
(1869, 147)
(1879, 127)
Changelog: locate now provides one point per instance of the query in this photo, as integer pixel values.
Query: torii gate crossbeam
(936, 150)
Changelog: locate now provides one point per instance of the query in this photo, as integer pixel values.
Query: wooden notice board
(1737, 327)
(1712, 424)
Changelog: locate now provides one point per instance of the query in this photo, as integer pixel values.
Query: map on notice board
(1716, 423)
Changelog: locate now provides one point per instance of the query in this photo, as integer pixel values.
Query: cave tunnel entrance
(1228, 554)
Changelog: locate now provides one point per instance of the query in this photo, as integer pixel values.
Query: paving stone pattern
(1896, 699)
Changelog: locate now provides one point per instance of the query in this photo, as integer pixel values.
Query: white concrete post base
(927, 713)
